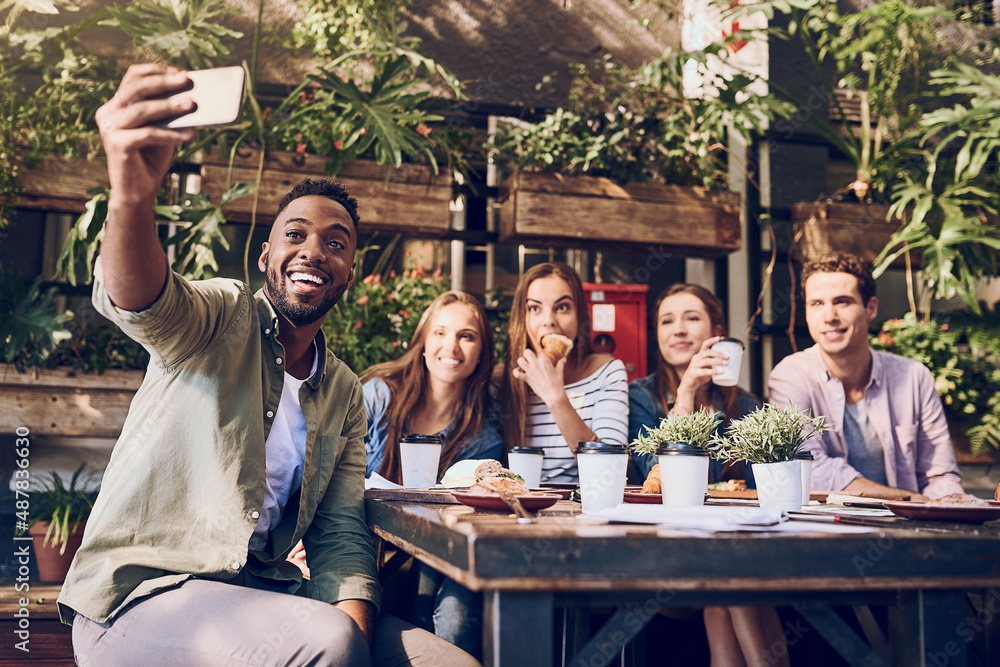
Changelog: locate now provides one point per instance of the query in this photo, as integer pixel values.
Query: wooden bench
(49, 642)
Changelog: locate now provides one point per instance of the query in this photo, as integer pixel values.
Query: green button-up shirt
(185, 484)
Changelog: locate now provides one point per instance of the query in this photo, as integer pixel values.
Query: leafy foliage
(882, 56)
(30, 323)
(344, 121)
(953, 204)
(375, 319)
(963, 355)
(693, 429)
(202, 228)
(637, 125)
(769, 434)
(64, 506)
(186, 32)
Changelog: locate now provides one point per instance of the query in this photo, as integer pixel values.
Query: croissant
(556, 346)
(652, 483)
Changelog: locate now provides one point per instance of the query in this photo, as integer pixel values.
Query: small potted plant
(59, 512)
(769, 438)
(680, 443)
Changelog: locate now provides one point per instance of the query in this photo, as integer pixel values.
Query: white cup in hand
(730, 374)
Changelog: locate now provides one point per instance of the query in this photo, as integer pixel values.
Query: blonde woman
(439, 386)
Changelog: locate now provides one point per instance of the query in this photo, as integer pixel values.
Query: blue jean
(450, 610)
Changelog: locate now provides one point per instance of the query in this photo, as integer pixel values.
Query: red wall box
(618, 323)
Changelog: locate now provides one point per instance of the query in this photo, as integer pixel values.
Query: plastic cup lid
(681, 449)
(600, 448)
(527, 450)
(728, 339)
(421, 439)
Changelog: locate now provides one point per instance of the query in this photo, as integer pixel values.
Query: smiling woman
(440, 386)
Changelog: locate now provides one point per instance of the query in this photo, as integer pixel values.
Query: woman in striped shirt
(581, 398)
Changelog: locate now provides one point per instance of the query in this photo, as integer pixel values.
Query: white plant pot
(779, 485)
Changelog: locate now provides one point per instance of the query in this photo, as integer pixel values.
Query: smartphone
(218, 93)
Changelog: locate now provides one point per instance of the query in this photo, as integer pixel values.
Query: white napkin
(377, 481)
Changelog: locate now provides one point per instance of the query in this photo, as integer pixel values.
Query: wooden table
(49, 642)
(920, 571)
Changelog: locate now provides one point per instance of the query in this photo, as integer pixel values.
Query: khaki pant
(213, 623)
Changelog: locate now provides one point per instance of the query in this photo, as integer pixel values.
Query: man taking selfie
(245, 437)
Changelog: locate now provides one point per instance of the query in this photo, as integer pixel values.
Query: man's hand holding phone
(138, 150)
(151, 113)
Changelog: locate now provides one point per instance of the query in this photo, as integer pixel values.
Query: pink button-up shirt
(903, 408)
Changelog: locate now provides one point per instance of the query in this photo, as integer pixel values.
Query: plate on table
(643, 498)
(637, 498)
(563, 491)
(532, 503)
(748, 494)
(956, 513)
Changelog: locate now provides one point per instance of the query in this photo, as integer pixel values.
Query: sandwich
(556, 346)
(491, 478)
(484, 476)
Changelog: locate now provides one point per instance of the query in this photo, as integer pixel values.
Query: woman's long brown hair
(407, 380)
(514, 392)
(667, 379)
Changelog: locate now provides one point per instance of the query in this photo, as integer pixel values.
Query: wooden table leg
(929, 629)
(517, 628)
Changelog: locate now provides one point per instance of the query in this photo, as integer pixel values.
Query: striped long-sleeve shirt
(600, 399)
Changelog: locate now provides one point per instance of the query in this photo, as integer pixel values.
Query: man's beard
(295, 311)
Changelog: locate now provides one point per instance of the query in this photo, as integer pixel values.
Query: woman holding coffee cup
(556, 392)
(689, 322)
(439, 387)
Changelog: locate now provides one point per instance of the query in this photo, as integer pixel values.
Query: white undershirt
(286, 454)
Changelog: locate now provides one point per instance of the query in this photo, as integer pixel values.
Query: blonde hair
(407, 380)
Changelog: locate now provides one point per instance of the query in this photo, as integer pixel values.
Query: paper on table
(715, 519)
(704, 517)
(377, 481)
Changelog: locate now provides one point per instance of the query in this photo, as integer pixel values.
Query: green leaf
(29, 318)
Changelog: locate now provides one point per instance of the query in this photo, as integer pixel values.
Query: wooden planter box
(860, 229)
(57, 184)
(408, 201)
(63, 402)
(543, 209)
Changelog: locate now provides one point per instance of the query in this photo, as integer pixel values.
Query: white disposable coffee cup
(602, 474)
(527, 462)
(805, 459)
(419, 456)
(683, 475)
(730, 374)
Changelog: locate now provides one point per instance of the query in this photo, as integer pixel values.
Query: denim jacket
(486, 444)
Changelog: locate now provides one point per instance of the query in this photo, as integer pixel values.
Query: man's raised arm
(138, 154)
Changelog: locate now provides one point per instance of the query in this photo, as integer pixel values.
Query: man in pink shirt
(890, 436)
